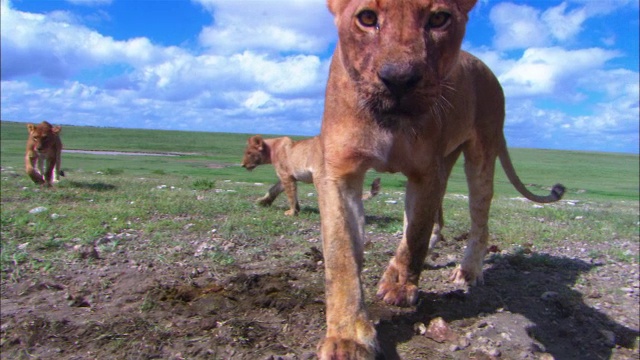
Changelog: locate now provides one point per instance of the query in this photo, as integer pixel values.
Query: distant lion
(294, 161)
(44, 149)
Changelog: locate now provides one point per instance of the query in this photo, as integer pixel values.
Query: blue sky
(569, 68)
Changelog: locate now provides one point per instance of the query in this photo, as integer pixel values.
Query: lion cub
(43, 146)
(294, 161)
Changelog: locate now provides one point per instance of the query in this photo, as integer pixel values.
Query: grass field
(198, 209)
(102, 194)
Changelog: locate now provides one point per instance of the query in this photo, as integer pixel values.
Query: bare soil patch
(535, 304)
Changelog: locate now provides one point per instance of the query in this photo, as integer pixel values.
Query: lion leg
(350, 334)
(30, 163)
(271, 195)
(291, 189)
(49, 171)
(399, 283)
(57, 173)
(479, 169)
(436, 233)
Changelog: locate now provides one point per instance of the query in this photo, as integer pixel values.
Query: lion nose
(399, 78)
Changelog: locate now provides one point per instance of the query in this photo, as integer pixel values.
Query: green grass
(167, 202)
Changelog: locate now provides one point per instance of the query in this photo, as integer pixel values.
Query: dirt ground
(536, 304)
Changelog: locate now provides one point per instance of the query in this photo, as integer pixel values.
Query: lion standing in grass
(294, 161)
(402, 97)
(43, 154)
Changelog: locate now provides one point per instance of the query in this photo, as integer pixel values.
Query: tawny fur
(402, 97)
(293, 161)
(43, 154)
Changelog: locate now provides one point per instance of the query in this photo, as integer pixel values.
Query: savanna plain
(167, 256)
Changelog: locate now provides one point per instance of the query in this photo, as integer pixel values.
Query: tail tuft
(557, 191)
(375, 187)
(61, 173)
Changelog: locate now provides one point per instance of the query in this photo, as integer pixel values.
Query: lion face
(43, 136)
(253, 153)
(399, 53)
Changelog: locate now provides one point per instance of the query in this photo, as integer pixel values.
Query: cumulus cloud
(55, 47)
(540, 71)
(161, 87)
(523, 26)
(280, 26)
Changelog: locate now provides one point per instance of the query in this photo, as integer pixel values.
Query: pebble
(609, 338)
(37, 210)
(549, 295)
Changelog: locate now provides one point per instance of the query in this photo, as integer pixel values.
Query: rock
(419, 328)
(609, 338)
(549, 295)
(37, 210)
(440, 331)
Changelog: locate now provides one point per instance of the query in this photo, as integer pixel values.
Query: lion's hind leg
(271, 195)
(291, 189)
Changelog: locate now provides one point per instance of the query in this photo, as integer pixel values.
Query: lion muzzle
(399, 78)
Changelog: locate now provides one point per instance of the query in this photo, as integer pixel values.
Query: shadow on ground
(540, 289)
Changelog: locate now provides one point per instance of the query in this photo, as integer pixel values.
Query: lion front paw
(398, 294)
(463, 276)
(332, 348)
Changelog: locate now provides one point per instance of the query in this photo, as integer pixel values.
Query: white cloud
(55, 47)
(542, 71)
(562, 25)
(281, 26)
(523, 26)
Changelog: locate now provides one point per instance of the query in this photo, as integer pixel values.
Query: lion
(43, 147)
(294, 161)
(403, 97)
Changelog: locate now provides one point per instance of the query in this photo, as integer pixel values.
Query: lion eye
(439, 19)
(368, 18)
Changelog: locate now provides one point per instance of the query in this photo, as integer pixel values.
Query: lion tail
(375, 189)
(556, 191)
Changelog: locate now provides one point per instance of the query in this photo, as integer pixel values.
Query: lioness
(293, 160)
(402, 97)
(43, 146)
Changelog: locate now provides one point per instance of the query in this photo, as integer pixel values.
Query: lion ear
(336, 6)
(255, 141)
(466, 5)
(31, 128)
(56, 129)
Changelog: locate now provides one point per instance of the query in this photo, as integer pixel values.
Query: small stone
(419, 328)
(37, 210)
(464, 342)
(494, 352)
(609, 338)
(549, 295)
(440, 331)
